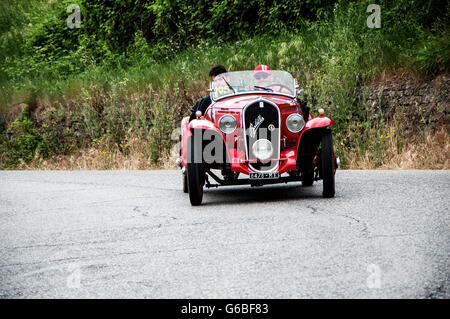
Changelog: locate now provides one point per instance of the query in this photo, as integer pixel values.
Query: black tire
(327, 159)
(308, 178)
(185, 185)
(195, 176)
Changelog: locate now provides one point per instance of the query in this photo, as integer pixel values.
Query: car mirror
(300, 93)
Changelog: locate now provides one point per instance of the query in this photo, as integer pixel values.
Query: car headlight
(262, 149)
(295, 123)
(227, 124)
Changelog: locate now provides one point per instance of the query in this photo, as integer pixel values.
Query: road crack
(364, 230)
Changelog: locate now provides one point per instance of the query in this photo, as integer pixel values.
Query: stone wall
(421, 102)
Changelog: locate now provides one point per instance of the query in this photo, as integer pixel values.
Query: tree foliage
(183, 22)
(41, 40)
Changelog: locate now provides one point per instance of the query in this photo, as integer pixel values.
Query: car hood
(239, 102)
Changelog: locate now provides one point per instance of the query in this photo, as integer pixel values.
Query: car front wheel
(327, 165)
(195, 176)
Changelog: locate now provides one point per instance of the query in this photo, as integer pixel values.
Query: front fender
(202, 125)
(185, 133)
(317, 122)
(321, 121)
(206, 128)
(309, 140)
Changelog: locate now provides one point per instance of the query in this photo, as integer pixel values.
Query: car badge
(271, 127)
(258, 122)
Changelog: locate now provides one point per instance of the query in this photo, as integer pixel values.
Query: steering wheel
(281, 87)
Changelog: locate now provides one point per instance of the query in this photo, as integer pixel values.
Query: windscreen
(244, 82)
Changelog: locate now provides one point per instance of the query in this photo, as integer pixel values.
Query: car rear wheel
(328, 161)
(185, 185)
(195, 176)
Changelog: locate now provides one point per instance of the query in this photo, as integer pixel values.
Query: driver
(263, 77)
(203, 104)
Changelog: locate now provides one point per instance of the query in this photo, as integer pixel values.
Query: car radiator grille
(261, 120)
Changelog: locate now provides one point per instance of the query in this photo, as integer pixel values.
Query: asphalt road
(133, 234)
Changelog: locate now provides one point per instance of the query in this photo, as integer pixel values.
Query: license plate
(271, 175)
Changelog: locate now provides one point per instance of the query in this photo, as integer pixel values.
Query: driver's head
(216, 70)
(263, 75)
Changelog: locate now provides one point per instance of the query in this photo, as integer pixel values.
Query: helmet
(262, 68)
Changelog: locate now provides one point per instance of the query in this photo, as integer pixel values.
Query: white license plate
(271, 175)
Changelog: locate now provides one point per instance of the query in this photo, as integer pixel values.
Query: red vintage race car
(255, 130)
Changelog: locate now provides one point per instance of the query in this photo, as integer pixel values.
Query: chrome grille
(261, 119)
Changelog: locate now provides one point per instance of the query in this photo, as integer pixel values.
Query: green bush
(22, 141)
(59, 131)
(433, 54)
